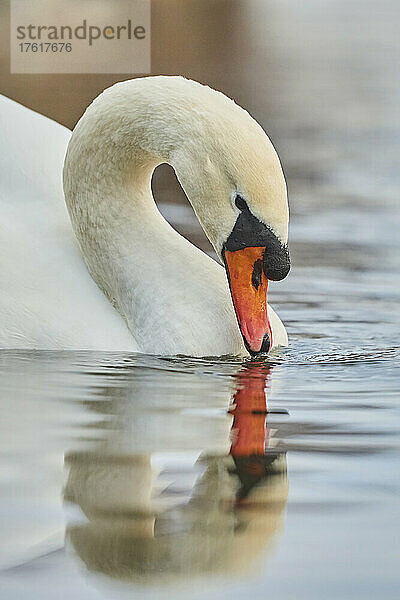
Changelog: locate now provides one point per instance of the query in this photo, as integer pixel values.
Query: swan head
(252, 255)
(232, 175)
(225, 163)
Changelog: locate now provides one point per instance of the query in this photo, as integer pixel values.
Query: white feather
(155, 292)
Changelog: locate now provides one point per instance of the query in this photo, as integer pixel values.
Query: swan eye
(241, 203)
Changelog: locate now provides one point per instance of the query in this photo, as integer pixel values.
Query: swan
(141, 286)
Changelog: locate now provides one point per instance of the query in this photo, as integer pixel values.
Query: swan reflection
(151, 516)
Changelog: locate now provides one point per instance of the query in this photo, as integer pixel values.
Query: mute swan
(156, 292)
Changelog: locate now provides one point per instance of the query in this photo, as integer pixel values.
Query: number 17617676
(45, 47)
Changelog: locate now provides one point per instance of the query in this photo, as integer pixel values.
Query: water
(148, 477)
(159, 477)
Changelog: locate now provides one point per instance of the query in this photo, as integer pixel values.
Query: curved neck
(126, 243)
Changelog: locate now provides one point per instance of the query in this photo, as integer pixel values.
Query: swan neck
(110, 160)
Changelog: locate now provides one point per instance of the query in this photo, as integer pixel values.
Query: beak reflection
(146, 524)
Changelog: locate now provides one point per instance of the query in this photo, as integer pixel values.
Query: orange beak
(249, 285)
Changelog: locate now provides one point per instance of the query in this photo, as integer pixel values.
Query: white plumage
(155, 292)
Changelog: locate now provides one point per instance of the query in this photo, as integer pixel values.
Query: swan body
(148, 289)
(47, 298)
